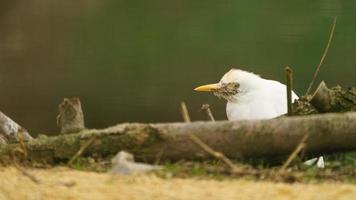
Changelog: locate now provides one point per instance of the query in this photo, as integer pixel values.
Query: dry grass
(64, 183)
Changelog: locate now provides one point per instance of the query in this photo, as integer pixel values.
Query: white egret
(249, 96)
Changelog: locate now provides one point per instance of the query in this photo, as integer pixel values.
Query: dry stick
(296, 151)
(81, 150)
(23, 171)
(289, 74)
(206, 108)
(185, 113)
(27, 174)
(17, 166)
(205, 147)
(159, 155)
(323, 57)
(23, 146)
(214, 153)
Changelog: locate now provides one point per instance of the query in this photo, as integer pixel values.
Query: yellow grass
(64, 183)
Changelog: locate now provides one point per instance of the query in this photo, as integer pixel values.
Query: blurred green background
(134, 61)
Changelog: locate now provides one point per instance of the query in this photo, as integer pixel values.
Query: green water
(134, 61)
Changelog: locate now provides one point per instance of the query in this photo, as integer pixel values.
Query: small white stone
(310, 162)
(320, 163)
(123, 163)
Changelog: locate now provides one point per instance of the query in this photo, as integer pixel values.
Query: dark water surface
(134, 61)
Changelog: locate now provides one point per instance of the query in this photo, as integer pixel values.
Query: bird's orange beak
(208, 88)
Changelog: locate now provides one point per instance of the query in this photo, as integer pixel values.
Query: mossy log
(171, 141)
(336, 99)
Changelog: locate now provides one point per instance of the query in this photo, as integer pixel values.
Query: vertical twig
(23, 146)
(159, 155)
(289, 74)
(206, 108)
(185, 113)
(323, 57)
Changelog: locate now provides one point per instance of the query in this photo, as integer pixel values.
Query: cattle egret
(249, 96)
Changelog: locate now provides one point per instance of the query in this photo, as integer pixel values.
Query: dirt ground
(64, 183)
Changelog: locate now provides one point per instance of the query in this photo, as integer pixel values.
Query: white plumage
(249, 96)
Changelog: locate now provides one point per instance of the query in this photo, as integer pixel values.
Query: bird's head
(235, 82)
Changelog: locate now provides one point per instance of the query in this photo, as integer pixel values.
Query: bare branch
(206, 108)
(323, 57)
(294, 154)
(81, 150)
(205, 147)
(185, 113)
(27, 174)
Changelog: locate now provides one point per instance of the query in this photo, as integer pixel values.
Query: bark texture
(302, 106)
(10, 131)
(171, 141)
(70, 118)
(336, 99)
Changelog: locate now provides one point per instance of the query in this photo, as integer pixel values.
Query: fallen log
(171, 141)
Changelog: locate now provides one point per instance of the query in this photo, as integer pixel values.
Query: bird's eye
(233, 85)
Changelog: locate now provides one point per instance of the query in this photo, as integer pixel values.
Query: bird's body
(249, 96)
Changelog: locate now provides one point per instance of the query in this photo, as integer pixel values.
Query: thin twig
(22, 145)
(159, 155)
(323, 57)
(185, 112)
(205, 147)
(206, 108)
(23, 150)
(81, 150)
(289, 73)
(27, 174)
(293, 155)
(217, 155)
